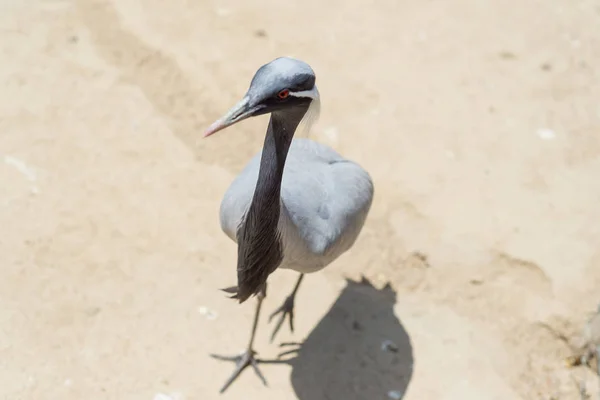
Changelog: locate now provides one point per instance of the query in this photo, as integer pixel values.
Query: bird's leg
(287, 308)
(248, 357)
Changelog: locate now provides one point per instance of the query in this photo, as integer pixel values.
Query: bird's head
(282, 84)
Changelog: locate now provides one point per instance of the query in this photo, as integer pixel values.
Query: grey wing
(327, 198)
(237, 198)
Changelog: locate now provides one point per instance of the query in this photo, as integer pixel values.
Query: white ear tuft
(313, 113)
(311, 94)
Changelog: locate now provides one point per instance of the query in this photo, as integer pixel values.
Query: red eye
(283, 94)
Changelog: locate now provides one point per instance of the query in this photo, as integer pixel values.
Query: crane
(297, 204)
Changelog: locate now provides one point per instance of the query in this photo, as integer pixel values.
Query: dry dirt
(478, 120)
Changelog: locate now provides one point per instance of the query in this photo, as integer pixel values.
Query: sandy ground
(478, 120)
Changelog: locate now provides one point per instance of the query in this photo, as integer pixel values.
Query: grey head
(281, 84)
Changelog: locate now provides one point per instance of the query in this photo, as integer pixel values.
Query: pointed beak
(237, 113)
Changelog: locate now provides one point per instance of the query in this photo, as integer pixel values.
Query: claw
(242, 361)
(286, 309)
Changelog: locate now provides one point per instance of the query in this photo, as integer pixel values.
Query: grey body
(324, 201)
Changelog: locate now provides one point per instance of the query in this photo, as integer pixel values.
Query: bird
(296, 205)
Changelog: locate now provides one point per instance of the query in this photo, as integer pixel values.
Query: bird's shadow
(359, 349)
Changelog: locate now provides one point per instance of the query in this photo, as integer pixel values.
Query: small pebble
(507, 55)
(395, 394)
(388, 345)
(209, 314)
(260, 33)
(546, 134)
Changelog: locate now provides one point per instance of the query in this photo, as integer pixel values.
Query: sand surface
(479, 122)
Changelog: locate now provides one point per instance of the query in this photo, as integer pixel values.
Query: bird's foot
(242, 361)
(286, 309)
